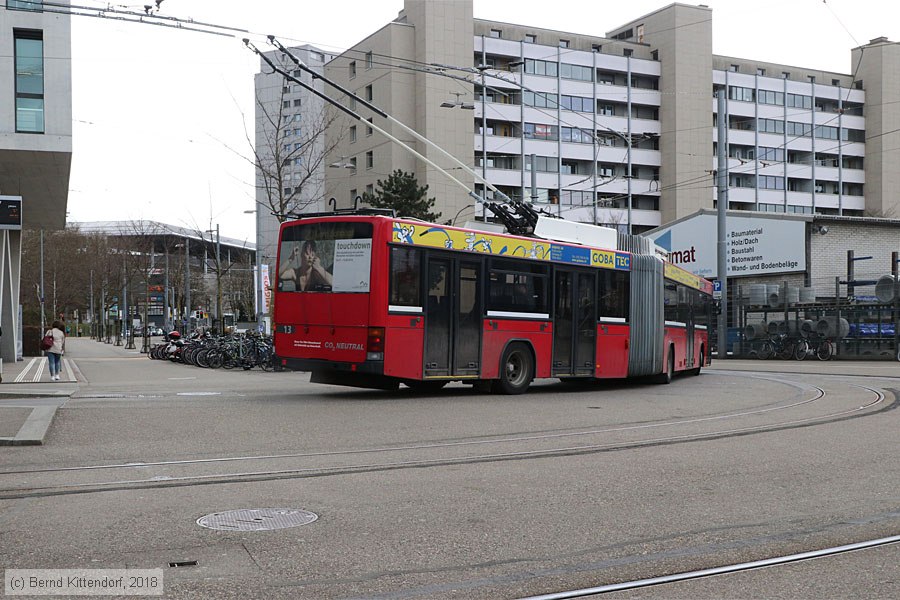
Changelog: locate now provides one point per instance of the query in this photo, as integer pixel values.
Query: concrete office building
(619, 127)
(290, 145)
(35, 136)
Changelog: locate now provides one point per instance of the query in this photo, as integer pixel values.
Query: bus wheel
(516, 370)
(666, 376)
(424, 386)
(696, 371)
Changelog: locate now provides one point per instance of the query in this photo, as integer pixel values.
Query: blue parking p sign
(717, 289)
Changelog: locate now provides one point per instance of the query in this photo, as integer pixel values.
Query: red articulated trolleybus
(374, 301)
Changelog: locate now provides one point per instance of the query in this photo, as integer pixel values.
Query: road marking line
(68, 366)
(40, 370)
(21, 376)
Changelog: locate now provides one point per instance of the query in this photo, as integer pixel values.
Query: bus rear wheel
(696, 370)
(666, 376)
(516, 370)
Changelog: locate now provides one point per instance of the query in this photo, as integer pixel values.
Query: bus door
(453, 312)
(575, 322)
(688, 313)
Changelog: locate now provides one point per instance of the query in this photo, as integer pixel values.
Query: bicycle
(821, 347)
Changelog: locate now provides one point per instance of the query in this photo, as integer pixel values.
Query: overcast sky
(162, 116)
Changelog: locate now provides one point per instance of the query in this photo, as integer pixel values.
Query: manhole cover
(257, 519)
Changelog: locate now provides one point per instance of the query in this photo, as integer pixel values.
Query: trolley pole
(722, 205)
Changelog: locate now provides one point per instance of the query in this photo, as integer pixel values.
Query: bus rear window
(325, 257)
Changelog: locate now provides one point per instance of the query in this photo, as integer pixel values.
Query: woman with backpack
(54, 353)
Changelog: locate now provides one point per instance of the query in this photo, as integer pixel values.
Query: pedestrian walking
(54, 354)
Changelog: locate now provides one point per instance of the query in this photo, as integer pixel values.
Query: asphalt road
(459, 494)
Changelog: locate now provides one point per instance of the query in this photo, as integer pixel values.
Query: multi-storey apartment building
(35, 134)
(620, 128)
(290, 144)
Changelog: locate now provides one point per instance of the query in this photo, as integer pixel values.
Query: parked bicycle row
(793, 348)
(245, 350)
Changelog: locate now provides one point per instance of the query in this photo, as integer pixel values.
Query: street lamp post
(219, 315)
(187, 286)
(218, 280)
(260, 291)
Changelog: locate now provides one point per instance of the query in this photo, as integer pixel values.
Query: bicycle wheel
(765, 350)
(825, 350)
(801, 349)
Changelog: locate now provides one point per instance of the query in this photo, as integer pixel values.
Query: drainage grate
(257, 519)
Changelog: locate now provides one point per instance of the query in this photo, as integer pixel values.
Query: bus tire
(516, 370)
(666, 376)
(696, 370)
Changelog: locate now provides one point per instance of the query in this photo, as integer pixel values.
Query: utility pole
(722, 207)
(165, 289)
(43, 319)
(187, 286)
(219, 314)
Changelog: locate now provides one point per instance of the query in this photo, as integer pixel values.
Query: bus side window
(670, 301)
(613, 294)
(406, 266)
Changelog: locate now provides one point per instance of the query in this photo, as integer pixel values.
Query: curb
(34, 429)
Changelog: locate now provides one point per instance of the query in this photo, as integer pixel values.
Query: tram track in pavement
(686, 576)
(341, 466)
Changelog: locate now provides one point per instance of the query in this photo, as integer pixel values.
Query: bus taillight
(375, 344)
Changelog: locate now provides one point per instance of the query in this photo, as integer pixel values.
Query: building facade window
(369, 129)
(540, 100)
(545, 164)
(369, 94)
(370, 190)
(537, 131)
(577, 104)
(541, 67)
(496, 33)
(298, 102)
(740, 93)
(798, 101)
(369, 60)
(530, 38)
(352, 67)
(578, 72)
(770, 182)
(771, 97)
(370, 159)
(352, 133)
(563, 43)
(29, 68)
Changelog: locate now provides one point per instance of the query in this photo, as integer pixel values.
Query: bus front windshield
(325, 257)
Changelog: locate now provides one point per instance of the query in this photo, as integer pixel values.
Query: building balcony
(499, 143)
(505, 177)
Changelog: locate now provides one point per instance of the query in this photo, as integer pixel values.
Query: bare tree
(290, 160)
